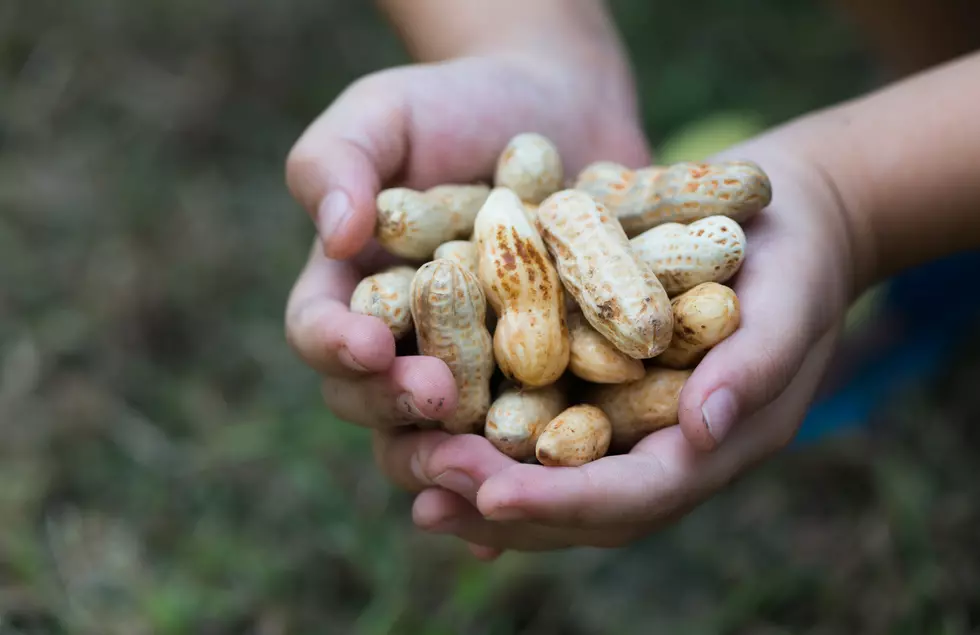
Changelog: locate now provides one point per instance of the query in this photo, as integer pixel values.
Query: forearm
(580, 31)
(905, 162)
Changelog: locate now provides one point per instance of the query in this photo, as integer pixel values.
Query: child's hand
(421, 126)
(744, 401)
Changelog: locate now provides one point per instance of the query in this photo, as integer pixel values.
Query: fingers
(661, 479)
(438, 511)
(779, 295)
(321, 329)
(402, 454)
(336, 168)
(414, 390)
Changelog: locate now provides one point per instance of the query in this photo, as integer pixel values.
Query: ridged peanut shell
(462, 251)
(449, 311)
(531, 167)
(703, 318)
(617, 293)
(387, 295)
(579, 435)
(679, 193)
(518, 417)
(530, 339)
(412, 224)
(683, 256)
(642, 407)
(594, 359)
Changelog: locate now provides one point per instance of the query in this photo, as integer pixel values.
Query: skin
(860, 191)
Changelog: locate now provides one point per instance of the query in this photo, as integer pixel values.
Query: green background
(166, 464)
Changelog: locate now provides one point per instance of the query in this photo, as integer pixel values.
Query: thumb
(336, 169)
(784, 311)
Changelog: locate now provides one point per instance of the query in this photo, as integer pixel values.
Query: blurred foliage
(167, 465)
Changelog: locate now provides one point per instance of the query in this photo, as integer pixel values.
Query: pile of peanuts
(571, 313)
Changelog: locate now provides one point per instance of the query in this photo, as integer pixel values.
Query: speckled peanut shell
(387, 295)
(462, 251)
(593, 358)
(449, 311)
(703, 318)
(530, 340)
(641, 407)
(679, 193)
(518, 417)
(579, 435)
(412, 224)
(617, 293)
(531, 166)
(684, 256)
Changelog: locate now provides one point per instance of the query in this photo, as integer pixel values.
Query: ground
(166, 464)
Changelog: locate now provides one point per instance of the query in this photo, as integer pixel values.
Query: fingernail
(348, 360)
(406, 404)
(457, 481)
(719, 412)
(505, 514)
(333, 214)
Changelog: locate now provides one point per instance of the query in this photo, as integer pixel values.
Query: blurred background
(166, 464)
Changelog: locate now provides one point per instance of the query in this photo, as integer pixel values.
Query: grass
(166, 465)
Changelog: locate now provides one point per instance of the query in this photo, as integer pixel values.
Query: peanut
(412, 224)
(530, 166)
(703, 318)
(530, 341)
(579, 435)
(449, 311)
(462, 251)
(684, 256)
(386, 295)
(641, 407)
(618, 294)
(595, 359)
(518, 417)
(679, 193)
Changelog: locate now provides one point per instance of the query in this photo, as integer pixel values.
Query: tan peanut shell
(387, 295)
(462, 251)
(684, 256)
(530, 340)
(617, 293)
(641, 407)
(518, 417)
(579, 435)
(449, 311)
(679, 193)
(703, 317)
(593, 358)
(531, 166)
(412, 224)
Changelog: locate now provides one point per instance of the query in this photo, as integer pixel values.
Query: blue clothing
(934, 292)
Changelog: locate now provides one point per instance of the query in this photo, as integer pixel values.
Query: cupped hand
(744, 402)
(421, 126)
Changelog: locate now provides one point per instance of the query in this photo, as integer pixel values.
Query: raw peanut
(386, 295)
(518, 417)
(684, 256)
(577, 436)
(412, 224)
(618, 294)
(703, 318)
(449, 311)
(530, 341)
(462, 251)
(679, 193)
(530, 166)
(641, 407)
(595, 359)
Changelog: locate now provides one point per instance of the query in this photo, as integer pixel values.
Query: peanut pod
(412, 224)
(703, 317)
(579, 435)
(518, 417)
(386, 295)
